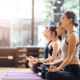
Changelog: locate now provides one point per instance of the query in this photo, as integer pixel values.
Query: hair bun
(76, 24)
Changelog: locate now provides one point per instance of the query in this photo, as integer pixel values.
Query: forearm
(66, 62)
(48, 59)
(58, 61)
(41, 58)
(45, 60)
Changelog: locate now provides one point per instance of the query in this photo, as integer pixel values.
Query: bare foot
(38, 74)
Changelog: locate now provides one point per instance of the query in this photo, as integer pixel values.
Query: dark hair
(46, 27)
(59, 23)
(53, 28)
(62, 27)
(71, 14)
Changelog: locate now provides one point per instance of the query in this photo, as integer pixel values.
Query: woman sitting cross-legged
(54, 46)
(32, 60)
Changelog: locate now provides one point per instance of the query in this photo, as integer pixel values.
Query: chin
(62, 26)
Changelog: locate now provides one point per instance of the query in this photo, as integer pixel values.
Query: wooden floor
(3, 70)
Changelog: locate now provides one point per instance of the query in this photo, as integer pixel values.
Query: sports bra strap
(68, 35)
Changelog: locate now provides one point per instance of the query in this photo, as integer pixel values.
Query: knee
(35, 68)
(43, 68)
(48, 74)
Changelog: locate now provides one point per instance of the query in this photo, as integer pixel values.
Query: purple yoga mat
(21, 78)
(24, 72)
(20, 74)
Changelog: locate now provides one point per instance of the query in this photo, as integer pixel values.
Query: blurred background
(22, 21)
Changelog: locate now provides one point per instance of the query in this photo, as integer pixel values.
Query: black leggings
(70, 72)
(38, 65)
(36, 69)
(44, 71)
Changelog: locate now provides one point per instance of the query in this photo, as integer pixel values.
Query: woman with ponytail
(70, 52)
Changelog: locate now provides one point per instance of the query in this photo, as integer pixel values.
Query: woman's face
(50, 35)
(65, 21)
(45, 33)
(60, 30)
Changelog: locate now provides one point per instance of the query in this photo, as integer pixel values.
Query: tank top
(50, 50)
(46, 50)
(64, 49)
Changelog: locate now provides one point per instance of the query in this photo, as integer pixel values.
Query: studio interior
(32, 34)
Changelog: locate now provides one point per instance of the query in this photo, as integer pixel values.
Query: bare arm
(53, 57)
(57, 62)
(71, 47)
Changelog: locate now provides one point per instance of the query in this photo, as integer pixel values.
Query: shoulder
(55, 43)
(73, 36)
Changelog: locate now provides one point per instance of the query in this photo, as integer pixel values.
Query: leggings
(44, 71)
(36, 69)
(70, 72)
(38, 65)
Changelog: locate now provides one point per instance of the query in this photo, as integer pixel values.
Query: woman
(54, 46)
(32, 60)
(70, 52)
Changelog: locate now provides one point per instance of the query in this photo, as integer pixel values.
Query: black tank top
(50, 50)
(46, 50)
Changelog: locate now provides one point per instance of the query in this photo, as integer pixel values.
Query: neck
(54, 39)
(63, 35)
(70, 28)
(48, 39)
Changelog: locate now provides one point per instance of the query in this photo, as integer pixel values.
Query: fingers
(52, 67)
(41, 65)
(48, 69)
(50, 61)
(47, 61)
(27, 58)
(38, 60)
(39, 68)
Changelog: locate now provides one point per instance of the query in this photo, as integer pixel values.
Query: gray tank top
(64, 49)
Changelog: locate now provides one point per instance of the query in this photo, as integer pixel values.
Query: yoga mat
(21, 78)
(20, 72)
(21, 75)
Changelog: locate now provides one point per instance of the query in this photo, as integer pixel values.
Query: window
(16, 28)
